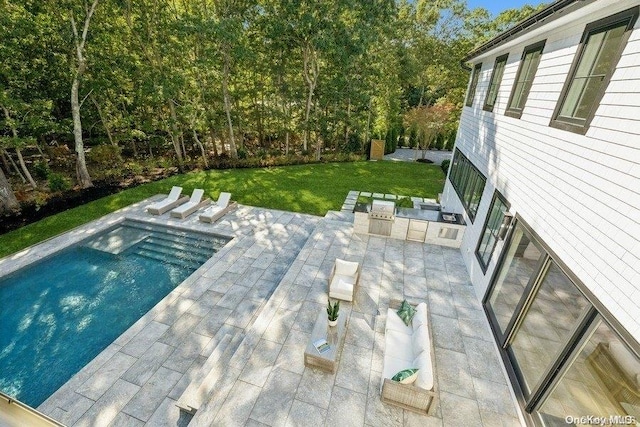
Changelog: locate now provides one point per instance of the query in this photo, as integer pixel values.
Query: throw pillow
(406, 376)
(406, 312)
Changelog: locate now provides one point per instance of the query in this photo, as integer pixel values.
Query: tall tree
(80, 40)
(8, 201)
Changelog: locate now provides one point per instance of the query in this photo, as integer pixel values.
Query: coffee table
(334, 335)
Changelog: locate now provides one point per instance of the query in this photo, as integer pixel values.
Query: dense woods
(110, 90)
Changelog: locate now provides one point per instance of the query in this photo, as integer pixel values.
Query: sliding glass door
(563, 357)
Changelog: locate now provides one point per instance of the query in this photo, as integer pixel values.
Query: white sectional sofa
(409, 347)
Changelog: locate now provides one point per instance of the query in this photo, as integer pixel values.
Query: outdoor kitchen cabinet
(417, 230)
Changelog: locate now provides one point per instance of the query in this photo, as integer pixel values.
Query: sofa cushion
(394, 365)
(398, 345)
(420, 317)
(341, 286)
(423, 363)
(346, 268)
(406, 312)
(406, 376)
(395, 323)
(420, 340)
(341, 277)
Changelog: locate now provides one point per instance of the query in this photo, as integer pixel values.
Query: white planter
(332, 322)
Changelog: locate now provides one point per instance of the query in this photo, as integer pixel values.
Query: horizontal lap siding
(581, 193)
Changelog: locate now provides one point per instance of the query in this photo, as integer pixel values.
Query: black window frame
(510, 110)
(563, 362)
(495, 81)
(496, 196)
(464, 177)
(475, 76)
(593, 28)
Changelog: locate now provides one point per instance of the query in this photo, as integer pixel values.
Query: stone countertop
(426, 215)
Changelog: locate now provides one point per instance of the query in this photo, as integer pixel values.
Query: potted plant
(332, 312)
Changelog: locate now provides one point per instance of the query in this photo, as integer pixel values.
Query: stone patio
(265, 289)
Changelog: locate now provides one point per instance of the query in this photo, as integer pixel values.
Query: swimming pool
(57, 314)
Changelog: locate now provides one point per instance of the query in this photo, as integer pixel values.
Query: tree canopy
(190, 81)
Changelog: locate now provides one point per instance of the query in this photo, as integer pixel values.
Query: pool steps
(186, 250)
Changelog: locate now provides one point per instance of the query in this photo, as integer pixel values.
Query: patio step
(206, 383)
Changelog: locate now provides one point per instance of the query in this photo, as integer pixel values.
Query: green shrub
(105, 155)
(404, 202)
(57, 182)
(445, 166)
(242, 153)
(41, 169)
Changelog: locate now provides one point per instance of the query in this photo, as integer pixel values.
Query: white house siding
(580, 193)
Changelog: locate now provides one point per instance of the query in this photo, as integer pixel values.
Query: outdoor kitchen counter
(420, 225)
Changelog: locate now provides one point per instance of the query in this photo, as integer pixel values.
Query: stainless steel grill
(381, 217)
(382, 209)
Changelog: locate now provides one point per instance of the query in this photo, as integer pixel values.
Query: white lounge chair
(218, 209)
(343, 279)
(194, 203)
(171, 201)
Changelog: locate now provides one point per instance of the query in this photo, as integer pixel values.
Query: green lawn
(312, 189)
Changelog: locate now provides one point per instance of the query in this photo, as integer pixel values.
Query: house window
(599, 51)
(474, 83)
(564, 352)
(489, 239)
(468, 183)
(524, 79)
(494, 84)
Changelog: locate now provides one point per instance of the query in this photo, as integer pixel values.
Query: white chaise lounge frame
(220, 208)
(194, 203)
(172, 201)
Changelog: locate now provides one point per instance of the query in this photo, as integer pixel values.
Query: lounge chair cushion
(346, 268)
(393, 365)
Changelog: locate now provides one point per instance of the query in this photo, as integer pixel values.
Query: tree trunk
(227, 104)
(204, 153)
(212, 135)
(80, 39)
(173, 133)
(105, 126)
(15, 167)
(286, 143)
(84, 179)
(24, 169)
(14, 132)
(311, 71)
(8, 201)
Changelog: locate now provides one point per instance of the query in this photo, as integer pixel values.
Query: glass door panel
(553, 314)
(518, 268)
(599, 382)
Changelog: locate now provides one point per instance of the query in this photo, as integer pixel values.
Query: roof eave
(545, 16)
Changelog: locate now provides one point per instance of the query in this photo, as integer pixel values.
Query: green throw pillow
(406, 376)
(406, 312)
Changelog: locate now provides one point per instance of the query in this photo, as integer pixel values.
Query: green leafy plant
(57, 182)
(332, 310)
(445, 166)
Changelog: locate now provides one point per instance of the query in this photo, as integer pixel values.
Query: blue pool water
(58, 314)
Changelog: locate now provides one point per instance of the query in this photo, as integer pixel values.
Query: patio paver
(266, 287)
